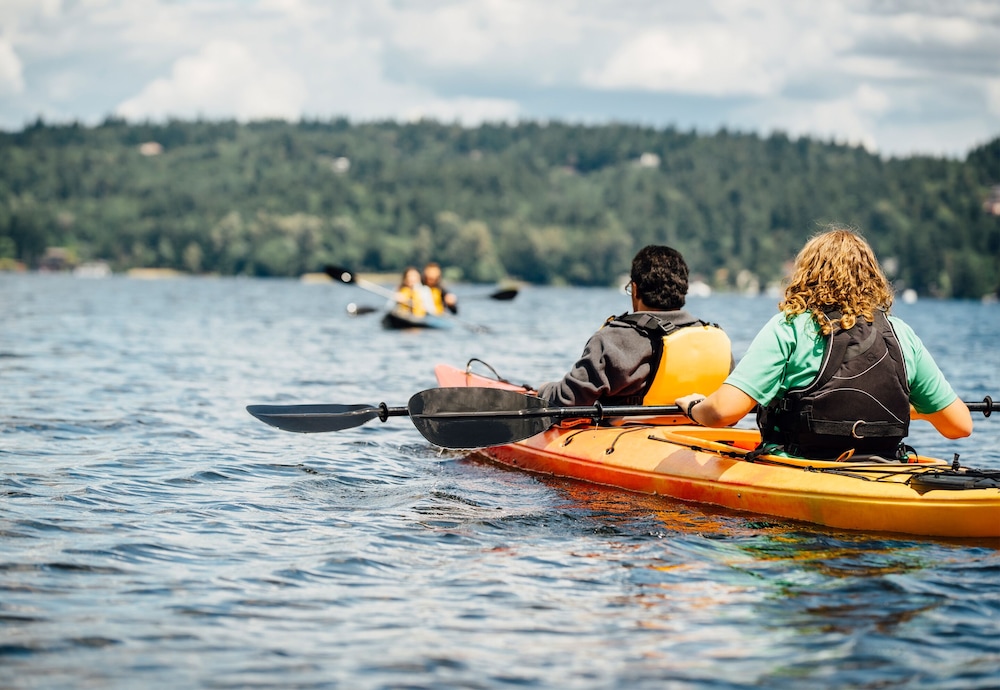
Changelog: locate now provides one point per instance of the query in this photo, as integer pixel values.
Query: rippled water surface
(154, 535)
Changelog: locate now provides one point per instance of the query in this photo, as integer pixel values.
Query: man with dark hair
(660, 276)
(646, 356)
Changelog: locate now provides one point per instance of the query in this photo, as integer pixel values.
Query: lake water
(154, 535)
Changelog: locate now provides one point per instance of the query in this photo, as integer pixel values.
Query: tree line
(546, 203)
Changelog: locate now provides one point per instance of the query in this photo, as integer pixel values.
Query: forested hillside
(544, 203)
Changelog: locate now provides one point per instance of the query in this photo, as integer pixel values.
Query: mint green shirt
(787, 355)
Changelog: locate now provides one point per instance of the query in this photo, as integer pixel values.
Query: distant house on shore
(151, 148)
(992, 203)
(93, 269)
(57, 259)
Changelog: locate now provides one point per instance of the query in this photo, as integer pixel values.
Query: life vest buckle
(854, 428)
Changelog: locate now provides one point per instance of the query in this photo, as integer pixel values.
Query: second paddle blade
(468, 418)
(339, 273)
(504, 295)
(309, 419)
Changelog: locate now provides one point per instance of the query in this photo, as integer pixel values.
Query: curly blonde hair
(837, 269)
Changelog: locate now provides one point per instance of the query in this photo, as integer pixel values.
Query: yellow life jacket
(694, 358)
(411, 301)
(438, 294)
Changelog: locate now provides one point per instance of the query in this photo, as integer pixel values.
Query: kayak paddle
(360, 309)
(452, 417)
(467, 418)
(501, 295)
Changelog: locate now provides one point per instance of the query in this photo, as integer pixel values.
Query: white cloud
(930, 28)
(877, 68)
(444, 35)
(334, 68)
(223, 80)
(11, 76)
(868, 99)
(993, 96)
(923, 137)
(852, 119)
(506, 41)
(712, 60)
(733, 48)
(12, 12)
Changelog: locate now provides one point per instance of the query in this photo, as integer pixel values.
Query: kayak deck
(704, 465)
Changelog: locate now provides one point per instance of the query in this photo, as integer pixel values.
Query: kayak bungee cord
(931, 476)
(954, 477)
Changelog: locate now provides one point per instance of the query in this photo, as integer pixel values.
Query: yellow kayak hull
(703, 465)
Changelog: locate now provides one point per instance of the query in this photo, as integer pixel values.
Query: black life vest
(859, 400)
(693, 357)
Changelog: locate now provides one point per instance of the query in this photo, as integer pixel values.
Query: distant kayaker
(835, 310)
(442, 298)
(655, 353)
(412, 296)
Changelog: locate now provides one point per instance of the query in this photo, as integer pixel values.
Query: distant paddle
(347, 277)
(360, 309)
(504, 294)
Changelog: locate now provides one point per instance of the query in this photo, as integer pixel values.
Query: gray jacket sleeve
(615, 361)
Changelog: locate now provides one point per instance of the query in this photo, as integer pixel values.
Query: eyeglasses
(628, 288)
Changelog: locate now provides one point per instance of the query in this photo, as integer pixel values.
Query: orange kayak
(666, 457)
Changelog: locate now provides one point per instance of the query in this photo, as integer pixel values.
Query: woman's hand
(724, 407)
(688, 404)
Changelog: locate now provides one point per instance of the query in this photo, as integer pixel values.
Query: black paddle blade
(339, 273)
(466, 418)
(504, 295)
(311, 419)
(359, 309)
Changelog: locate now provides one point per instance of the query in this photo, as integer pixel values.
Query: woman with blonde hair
(832, 374)
(412, 296)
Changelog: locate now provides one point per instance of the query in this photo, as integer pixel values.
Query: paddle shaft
(987, 406)
(349, 278)
(596, 412)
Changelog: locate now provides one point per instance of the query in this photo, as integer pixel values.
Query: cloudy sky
(899, 76)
